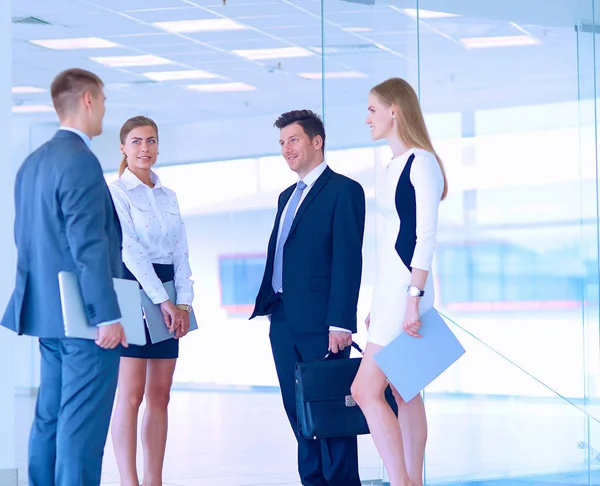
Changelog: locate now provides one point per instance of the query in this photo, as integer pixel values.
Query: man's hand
(109, 337)
(338, 340)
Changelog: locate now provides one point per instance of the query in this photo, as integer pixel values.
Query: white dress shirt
(88, 141)
(309, 179)
(84, 137)
(153, 232)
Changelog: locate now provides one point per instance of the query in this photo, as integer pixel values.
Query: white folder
(75, 317)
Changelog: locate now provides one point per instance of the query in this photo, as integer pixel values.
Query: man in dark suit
(65, 220)
(311, 282)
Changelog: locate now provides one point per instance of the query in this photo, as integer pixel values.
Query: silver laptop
(154, 319)
(75, 317)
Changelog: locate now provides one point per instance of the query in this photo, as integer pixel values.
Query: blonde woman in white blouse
(154, 251)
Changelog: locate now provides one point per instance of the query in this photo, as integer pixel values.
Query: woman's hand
(412, 320)
(183, 326)
(170, 315)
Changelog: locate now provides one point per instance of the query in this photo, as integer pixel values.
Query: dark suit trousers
(330, 462)
(74, 404)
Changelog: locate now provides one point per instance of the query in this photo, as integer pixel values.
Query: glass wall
(509, 93)
(509, 97)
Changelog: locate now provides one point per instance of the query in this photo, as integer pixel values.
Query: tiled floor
(243, 439)
(215, 439)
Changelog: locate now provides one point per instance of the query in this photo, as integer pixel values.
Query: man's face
(300, 152)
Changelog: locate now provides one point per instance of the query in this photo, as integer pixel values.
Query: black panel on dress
(406, 206)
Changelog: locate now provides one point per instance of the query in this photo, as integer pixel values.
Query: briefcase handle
(354, 345)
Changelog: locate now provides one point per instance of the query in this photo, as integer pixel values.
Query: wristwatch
(415, 291)
(184, 307)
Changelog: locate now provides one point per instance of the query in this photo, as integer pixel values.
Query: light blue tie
(277, 280)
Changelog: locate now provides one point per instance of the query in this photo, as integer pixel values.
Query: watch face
(414, 291)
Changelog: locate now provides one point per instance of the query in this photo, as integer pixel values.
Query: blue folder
(411, 364)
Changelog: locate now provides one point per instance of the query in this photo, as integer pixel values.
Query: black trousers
(329, 462)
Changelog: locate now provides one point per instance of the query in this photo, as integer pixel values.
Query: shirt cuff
(184, 299)
(108, 323)
(341, 329)
(158, 296)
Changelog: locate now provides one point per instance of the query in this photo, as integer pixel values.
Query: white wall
(7, 339)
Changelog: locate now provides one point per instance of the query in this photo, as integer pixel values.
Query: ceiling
(378, 41)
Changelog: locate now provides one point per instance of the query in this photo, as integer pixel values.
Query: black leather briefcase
(324, 404)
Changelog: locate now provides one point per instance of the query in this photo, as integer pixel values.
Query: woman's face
(380, 118)
(141, 148)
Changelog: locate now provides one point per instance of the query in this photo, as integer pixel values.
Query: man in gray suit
(65, 220)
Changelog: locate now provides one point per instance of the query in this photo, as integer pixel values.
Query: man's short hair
(310, 122)
(69, 86)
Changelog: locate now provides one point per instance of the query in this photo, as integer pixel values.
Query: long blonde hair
(135, 122)
(411, 124)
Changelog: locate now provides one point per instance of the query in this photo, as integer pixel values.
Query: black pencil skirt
(168, 349)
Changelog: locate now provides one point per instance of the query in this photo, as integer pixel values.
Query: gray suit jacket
(64, 220)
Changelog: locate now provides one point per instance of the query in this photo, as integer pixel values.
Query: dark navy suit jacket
(64, 220)
(322, 257)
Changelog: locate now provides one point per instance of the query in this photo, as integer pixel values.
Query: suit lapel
(315, 189)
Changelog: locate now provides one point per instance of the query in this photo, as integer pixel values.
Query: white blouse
(153, 232)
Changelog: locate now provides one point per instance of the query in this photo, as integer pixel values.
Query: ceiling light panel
(358, 29)
(143, 39)
(247, 39)
(32, 109)
(334, 75)
(284, 21)
(200, 25)
(221, 87)
(260, 9)
(501, 41)
(149, 43)
(428, 14)
(141, 4)
(164, 13)
(76, 43)
(274, 53)
(178, 75)
(129, 61)
(27, 89)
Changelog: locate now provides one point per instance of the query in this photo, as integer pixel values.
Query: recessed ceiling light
(27, 89)
(31, 108)
(503, 41)
(203, 25)
(276, 53)
(334, 75)
(358, 29)
(221, 87)
(428, 14)
(126, 61)
(175, 75)
(80, 43)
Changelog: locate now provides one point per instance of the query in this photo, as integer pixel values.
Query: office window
(240, 277)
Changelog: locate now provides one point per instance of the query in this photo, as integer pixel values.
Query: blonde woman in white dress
(414, 185)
